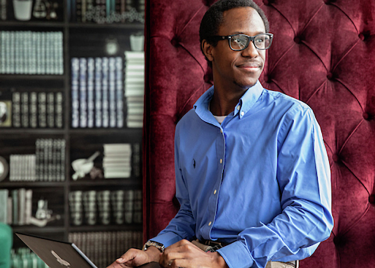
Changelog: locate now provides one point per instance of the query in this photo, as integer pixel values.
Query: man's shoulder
(283, 100)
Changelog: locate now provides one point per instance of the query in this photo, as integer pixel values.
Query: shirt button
(221, 130)
(215, 192)
(221, 161)
(209, 224)
(238, 107)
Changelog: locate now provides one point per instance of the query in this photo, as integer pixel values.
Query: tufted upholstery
(323, 54)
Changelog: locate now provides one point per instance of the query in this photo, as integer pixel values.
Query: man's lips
(250, 65)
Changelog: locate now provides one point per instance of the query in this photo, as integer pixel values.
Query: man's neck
(224, 101)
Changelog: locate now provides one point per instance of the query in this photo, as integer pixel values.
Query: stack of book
(27, 52)
(37, 109)
(134, 87)
(16, 206)
(50, 160)
(106, 11)
(22, 167)
(103, 248)
(97, 92)
(117, 160)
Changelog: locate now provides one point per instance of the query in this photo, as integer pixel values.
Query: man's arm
(304, 179)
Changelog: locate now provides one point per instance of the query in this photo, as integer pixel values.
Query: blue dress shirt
(260, 180)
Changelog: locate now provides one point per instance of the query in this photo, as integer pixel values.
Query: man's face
(240, 68)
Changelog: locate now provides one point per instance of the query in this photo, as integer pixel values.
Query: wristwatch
(150, 243)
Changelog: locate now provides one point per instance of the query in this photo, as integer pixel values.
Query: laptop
(58, 254)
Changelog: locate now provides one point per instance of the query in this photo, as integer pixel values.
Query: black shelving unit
(90, 38)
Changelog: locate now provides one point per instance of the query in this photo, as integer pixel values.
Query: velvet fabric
(323, 53)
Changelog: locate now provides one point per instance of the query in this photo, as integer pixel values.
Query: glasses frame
(249, 38)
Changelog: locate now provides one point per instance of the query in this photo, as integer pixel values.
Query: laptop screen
(56, 254)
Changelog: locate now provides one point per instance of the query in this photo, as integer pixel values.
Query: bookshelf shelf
(37, 138)
(124, 26)
(32, 24)
(125, 182)
(37, 230)
(31, 184)
(105, 228)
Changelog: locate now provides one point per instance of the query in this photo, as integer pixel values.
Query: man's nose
(250, 51)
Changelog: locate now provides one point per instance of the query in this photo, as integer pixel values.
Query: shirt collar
(246, 102)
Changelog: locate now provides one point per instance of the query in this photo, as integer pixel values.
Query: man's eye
(259, 40)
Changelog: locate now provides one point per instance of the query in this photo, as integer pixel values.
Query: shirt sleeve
(182, 226)
(303, 175)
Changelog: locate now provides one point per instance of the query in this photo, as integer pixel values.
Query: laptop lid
(56, 254)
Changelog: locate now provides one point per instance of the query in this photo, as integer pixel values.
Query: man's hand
(187, 255)
(135, 257)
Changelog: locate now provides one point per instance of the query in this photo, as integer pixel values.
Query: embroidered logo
(60, 260)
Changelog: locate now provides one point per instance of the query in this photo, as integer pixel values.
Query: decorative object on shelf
(83, 166)
(39, 10)
(137, 41)
(51, 10)
(5, 113)
(111, 46)
(22, 9)
(43, 214)
(4, 168)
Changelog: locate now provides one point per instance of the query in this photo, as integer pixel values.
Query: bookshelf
(40, 138)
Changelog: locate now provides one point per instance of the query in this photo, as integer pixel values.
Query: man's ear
(207, 50)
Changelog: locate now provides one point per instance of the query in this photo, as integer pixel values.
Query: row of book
(29, 52)
(47, 164)
(103, 248)
(25, 258)
(117, 160)
(16, 206)
(97, 92)
(37, 109)
(134, 87)
(105, 207)
(106, 11)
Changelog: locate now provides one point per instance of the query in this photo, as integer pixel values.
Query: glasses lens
(239, 41)
(262, 41)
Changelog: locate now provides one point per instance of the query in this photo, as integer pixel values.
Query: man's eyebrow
(261, 32)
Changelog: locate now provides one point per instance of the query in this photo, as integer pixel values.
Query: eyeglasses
(238, 42)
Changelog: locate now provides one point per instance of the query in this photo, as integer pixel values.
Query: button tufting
(267, 2)
(330, 76)
(371, 199)
(207, 78)
(335, 158)
(174, 42)
(362, 36)
(297, 39)
(366, 116)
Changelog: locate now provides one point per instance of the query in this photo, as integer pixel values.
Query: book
(3, 207)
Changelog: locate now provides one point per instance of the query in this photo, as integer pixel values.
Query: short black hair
(213, 18)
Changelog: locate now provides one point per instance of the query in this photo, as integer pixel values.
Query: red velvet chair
(323, 54)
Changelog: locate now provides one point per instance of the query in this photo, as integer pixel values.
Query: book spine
(98, 92)
(75, 92)
(33, 109)
(42, 109)
(105, 93)
(25, 109)
(90, 92)
(83, 92)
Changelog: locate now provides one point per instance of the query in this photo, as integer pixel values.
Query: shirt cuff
(236, 255)
(167, 239)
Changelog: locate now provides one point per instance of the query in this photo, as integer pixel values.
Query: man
(251, 168)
